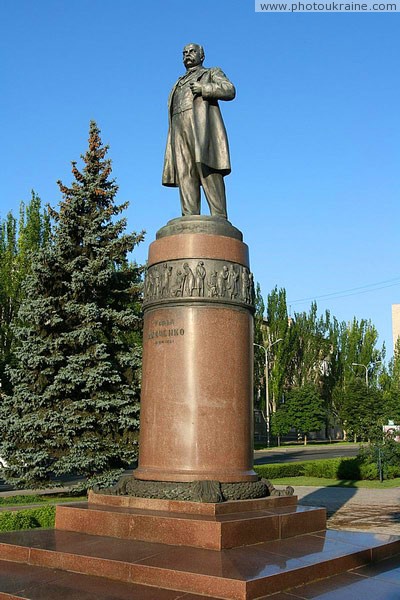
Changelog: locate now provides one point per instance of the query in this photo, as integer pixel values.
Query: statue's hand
(195, 86)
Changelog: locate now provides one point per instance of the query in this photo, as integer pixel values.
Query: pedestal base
(247, 522)
(131, 548)
(195, 491)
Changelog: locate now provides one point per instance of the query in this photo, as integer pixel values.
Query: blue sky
(314, 130)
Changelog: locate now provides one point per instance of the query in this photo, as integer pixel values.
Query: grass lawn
(309, 444)
(322, 482)
(35, 510)
(39, 499)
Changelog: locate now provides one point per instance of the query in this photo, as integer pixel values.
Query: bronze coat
(211, 142)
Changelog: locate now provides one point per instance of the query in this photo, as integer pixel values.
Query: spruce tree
(74, 407)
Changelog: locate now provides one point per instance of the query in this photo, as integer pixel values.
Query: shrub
(28, 519)
(349, 468)
(21, 500)
(332, 468)
(44, 516)
(10, 521)
(322, 468)
(276, 471)
(369, 471)
(392, 471)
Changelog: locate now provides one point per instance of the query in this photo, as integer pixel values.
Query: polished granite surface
(57, 564)
(379, 581)
(243, 563)
(38, 583)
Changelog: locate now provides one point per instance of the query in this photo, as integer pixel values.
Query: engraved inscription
(164, 331)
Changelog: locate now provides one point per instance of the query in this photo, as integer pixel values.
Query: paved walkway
(6, 491)
(357, 509)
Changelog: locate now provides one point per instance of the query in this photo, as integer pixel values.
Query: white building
(395, 323)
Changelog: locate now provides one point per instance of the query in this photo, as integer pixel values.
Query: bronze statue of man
(197, 152)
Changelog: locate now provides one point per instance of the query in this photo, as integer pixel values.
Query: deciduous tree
(305, 409)
(19, 240)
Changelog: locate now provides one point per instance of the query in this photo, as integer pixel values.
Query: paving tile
(15, 576)
(241, 564)
(357, 538)
(348, 586)
(38, 583)
(228, 573)
(387, 570)
(83, 544)
(310, 548)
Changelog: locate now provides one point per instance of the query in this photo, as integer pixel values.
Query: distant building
(395, 323)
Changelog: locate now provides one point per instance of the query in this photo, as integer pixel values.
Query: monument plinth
(196, 402)
(194, 519)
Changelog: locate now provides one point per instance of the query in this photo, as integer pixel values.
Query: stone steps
(215, 532)
(159, 549)
(26, 582)
(243, 573)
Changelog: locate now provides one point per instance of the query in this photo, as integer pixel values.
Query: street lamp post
(267, 407)
(366, 369)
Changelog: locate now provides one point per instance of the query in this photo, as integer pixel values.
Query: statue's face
(192, 56)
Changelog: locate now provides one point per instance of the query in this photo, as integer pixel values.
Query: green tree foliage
(312, 346)
(18, 243)
(280, 353)
(355, 342)
(304, 409)
(75, 401)
(319, 350)
(302, 357)
(361, 410)
(259, 356)
(281, 422)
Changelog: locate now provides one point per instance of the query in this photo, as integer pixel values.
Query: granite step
(28, 582)
(243, 573)
(377, 581)
(211, 531)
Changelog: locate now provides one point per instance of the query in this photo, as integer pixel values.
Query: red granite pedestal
(196, 425)
(115, 548)
(197, 386)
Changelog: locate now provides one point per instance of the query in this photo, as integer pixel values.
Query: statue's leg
(214, 191)
(183, 145)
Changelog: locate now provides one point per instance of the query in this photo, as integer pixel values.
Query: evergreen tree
(75, 402)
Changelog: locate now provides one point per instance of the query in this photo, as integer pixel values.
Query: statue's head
(193, 55)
